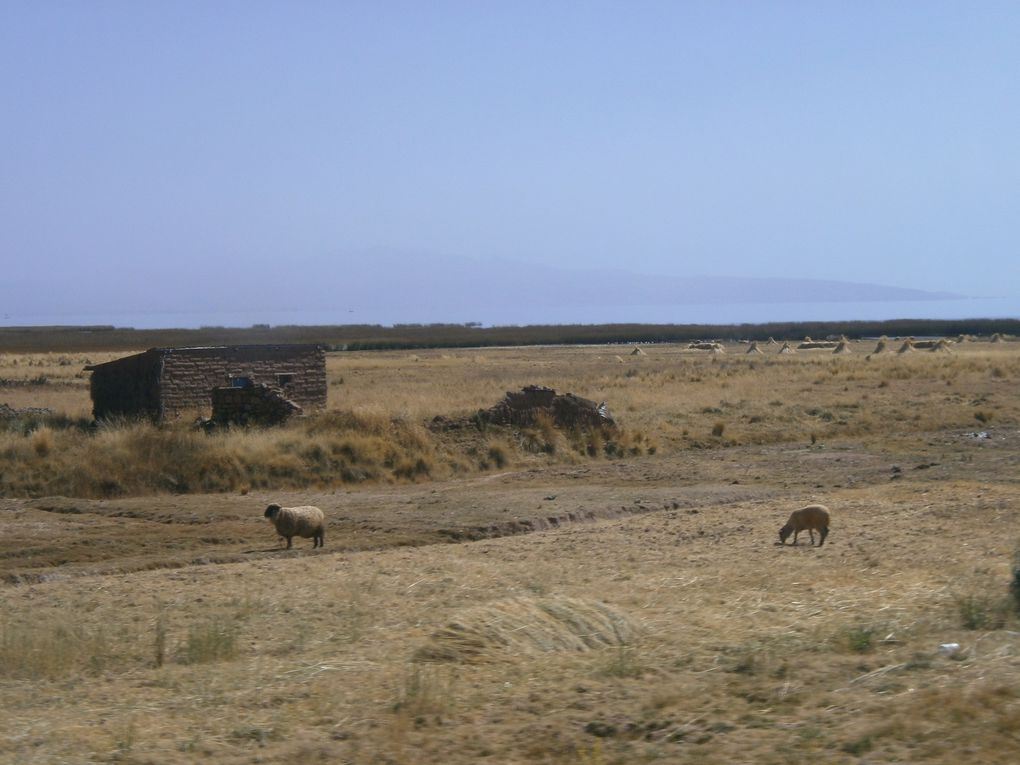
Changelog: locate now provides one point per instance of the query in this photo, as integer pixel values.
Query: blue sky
(861, 141)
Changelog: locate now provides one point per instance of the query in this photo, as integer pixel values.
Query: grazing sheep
(306, 521)
(807, 518)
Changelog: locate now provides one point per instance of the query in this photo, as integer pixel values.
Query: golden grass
(703, 640)
(669, 399)
(521, 626)
(743, 650)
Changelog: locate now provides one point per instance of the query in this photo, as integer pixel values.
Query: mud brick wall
(168, 382)
(190, 374)
(127, 387)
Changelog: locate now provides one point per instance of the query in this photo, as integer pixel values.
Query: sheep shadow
(269, 550)
(293, 550)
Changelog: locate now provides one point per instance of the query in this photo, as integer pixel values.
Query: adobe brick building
(162, 383)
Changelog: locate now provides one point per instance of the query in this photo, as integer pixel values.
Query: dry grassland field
(524, 595)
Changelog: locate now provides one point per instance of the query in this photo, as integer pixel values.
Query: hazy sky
(865, 141)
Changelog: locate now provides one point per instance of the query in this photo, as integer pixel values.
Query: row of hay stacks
(838, 347)
(942, 345)
(841, 347)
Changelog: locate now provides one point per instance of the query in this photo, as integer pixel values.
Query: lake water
(718, 313)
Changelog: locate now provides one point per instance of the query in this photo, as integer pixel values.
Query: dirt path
(57, 537)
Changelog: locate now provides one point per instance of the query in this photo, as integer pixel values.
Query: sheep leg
(795, 533)
(812, 535)
(288, 542)
(823, 533)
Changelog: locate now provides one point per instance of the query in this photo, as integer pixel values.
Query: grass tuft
(212, 640)
(528, 625)
(981, 612)
(426, 692)
(52, 648)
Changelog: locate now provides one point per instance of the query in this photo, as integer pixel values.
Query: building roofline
(245, 347)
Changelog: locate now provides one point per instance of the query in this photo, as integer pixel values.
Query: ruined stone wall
(256, 404)
(566, 410)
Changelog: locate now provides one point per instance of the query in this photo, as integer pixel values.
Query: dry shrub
(982, 611)
(542, 436)
(596, 442)
(546, 427)
(364, 419)
(498, 454)
(124, 458)
(528, 625)
(42, 441)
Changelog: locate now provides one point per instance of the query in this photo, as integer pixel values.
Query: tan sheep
(810, 518)
(305, 521)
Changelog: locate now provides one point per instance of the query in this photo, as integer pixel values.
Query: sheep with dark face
(304, 521)
(811, 518)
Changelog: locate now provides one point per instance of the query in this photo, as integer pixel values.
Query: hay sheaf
(526, 626)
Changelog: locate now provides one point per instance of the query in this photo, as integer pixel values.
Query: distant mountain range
(392, 288)
(479, 286)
